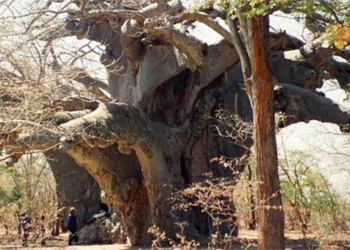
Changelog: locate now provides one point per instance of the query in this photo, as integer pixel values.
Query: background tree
(33, 73)
(156, 138)
(311, 201)
(27, 187)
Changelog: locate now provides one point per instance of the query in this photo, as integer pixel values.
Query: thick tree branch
(284, 41)
(110, 14)
(194, 49)
(150, 11)
(203, 18)
(300, 104)
(73, 104)
(288, 68)
(339, 69)
(42, 140)
(109, 125)
(312, 52)
(63, 117)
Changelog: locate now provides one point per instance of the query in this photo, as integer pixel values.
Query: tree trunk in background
(260, 88)
(74, 186)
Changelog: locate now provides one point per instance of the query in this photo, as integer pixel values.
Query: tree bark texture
(260, 87)
(75, 187)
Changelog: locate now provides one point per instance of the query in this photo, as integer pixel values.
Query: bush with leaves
(310, 202)
(27, 187)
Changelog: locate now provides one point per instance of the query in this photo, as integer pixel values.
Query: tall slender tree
(259, 82)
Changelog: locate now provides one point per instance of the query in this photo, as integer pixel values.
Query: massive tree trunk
(75, 187)
(166, 79)
(139, 162)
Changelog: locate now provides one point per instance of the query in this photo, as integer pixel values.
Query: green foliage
(8, 196)
(16, 194)
(250, 8)
(307, 194)
(337, 32)
(29, 186)
(3, 196)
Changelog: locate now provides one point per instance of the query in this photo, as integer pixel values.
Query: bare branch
(54, 32)
(237, 42)
(110, 14)
(203, 18)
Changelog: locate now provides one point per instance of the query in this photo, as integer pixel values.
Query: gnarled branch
(300, 104)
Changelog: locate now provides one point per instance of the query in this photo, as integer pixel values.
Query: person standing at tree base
(72, 227)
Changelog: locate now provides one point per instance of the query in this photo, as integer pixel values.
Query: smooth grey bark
(75, 187)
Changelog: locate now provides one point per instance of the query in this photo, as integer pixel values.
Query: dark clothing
(73, 239)
(72, 224)
(25, 221)
(25, 237)
(72, 227)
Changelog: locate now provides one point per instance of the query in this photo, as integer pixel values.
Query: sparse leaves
(309, 200)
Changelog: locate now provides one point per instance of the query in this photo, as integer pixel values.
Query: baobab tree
(147, 132)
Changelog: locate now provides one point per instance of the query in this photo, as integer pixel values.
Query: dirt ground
(52, 243)
(246, 240)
